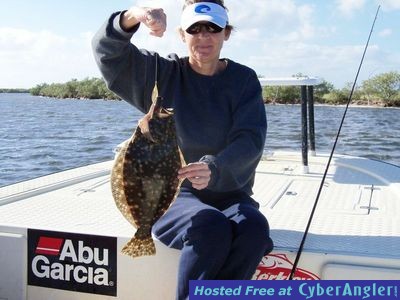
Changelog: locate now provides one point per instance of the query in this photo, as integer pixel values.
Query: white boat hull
(355, 233)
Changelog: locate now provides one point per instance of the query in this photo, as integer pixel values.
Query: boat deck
(357, 211)
(358, 207)
(356, 221)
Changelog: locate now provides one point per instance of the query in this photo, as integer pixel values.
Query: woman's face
(205, 47)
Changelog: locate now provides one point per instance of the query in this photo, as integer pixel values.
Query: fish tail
(139, 247)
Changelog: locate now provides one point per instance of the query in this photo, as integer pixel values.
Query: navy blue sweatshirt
(219, 119)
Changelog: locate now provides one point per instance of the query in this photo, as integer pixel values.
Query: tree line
(88, 88)
(382, 90)
(14, 90)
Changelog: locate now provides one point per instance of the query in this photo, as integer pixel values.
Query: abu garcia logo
(69, 261)
(77, 267)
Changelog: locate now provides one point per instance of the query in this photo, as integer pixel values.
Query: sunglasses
(209, 27)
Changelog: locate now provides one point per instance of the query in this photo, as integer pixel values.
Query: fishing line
(331, 155)
(154, 94)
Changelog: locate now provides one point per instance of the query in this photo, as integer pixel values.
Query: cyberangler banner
(293, 289)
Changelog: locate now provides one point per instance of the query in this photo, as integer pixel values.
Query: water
(40, 136)
(367, 132)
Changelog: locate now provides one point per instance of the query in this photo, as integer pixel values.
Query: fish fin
(144, 127)
(117, 182)
(183, 163)
(139, 247)
(154, 93)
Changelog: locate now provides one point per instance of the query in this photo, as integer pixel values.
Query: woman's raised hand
(153, 18)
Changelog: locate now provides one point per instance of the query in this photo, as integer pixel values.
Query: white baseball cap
(204, 11)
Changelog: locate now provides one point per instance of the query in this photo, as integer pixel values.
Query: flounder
(144, 178)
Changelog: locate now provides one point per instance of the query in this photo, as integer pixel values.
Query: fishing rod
(296, 261)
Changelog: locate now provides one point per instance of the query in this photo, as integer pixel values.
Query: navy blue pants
(222, 236)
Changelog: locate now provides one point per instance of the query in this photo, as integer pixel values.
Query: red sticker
(279, 267)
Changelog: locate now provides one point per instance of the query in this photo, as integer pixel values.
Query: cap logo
(202, 9)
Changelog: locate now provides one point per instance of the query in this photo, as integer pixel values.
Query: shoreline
(265, 103)
(335, 105)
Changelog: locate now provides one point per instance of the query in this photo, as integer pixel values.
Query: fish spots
(144, 178)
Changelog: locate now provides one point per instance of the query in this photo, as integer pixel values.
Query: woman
(221, 126)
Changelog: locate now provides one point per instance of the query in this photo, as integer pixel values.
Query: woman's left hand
(198, 173)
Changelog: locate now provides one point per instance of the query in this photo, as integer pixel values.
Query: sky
(48, 41)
